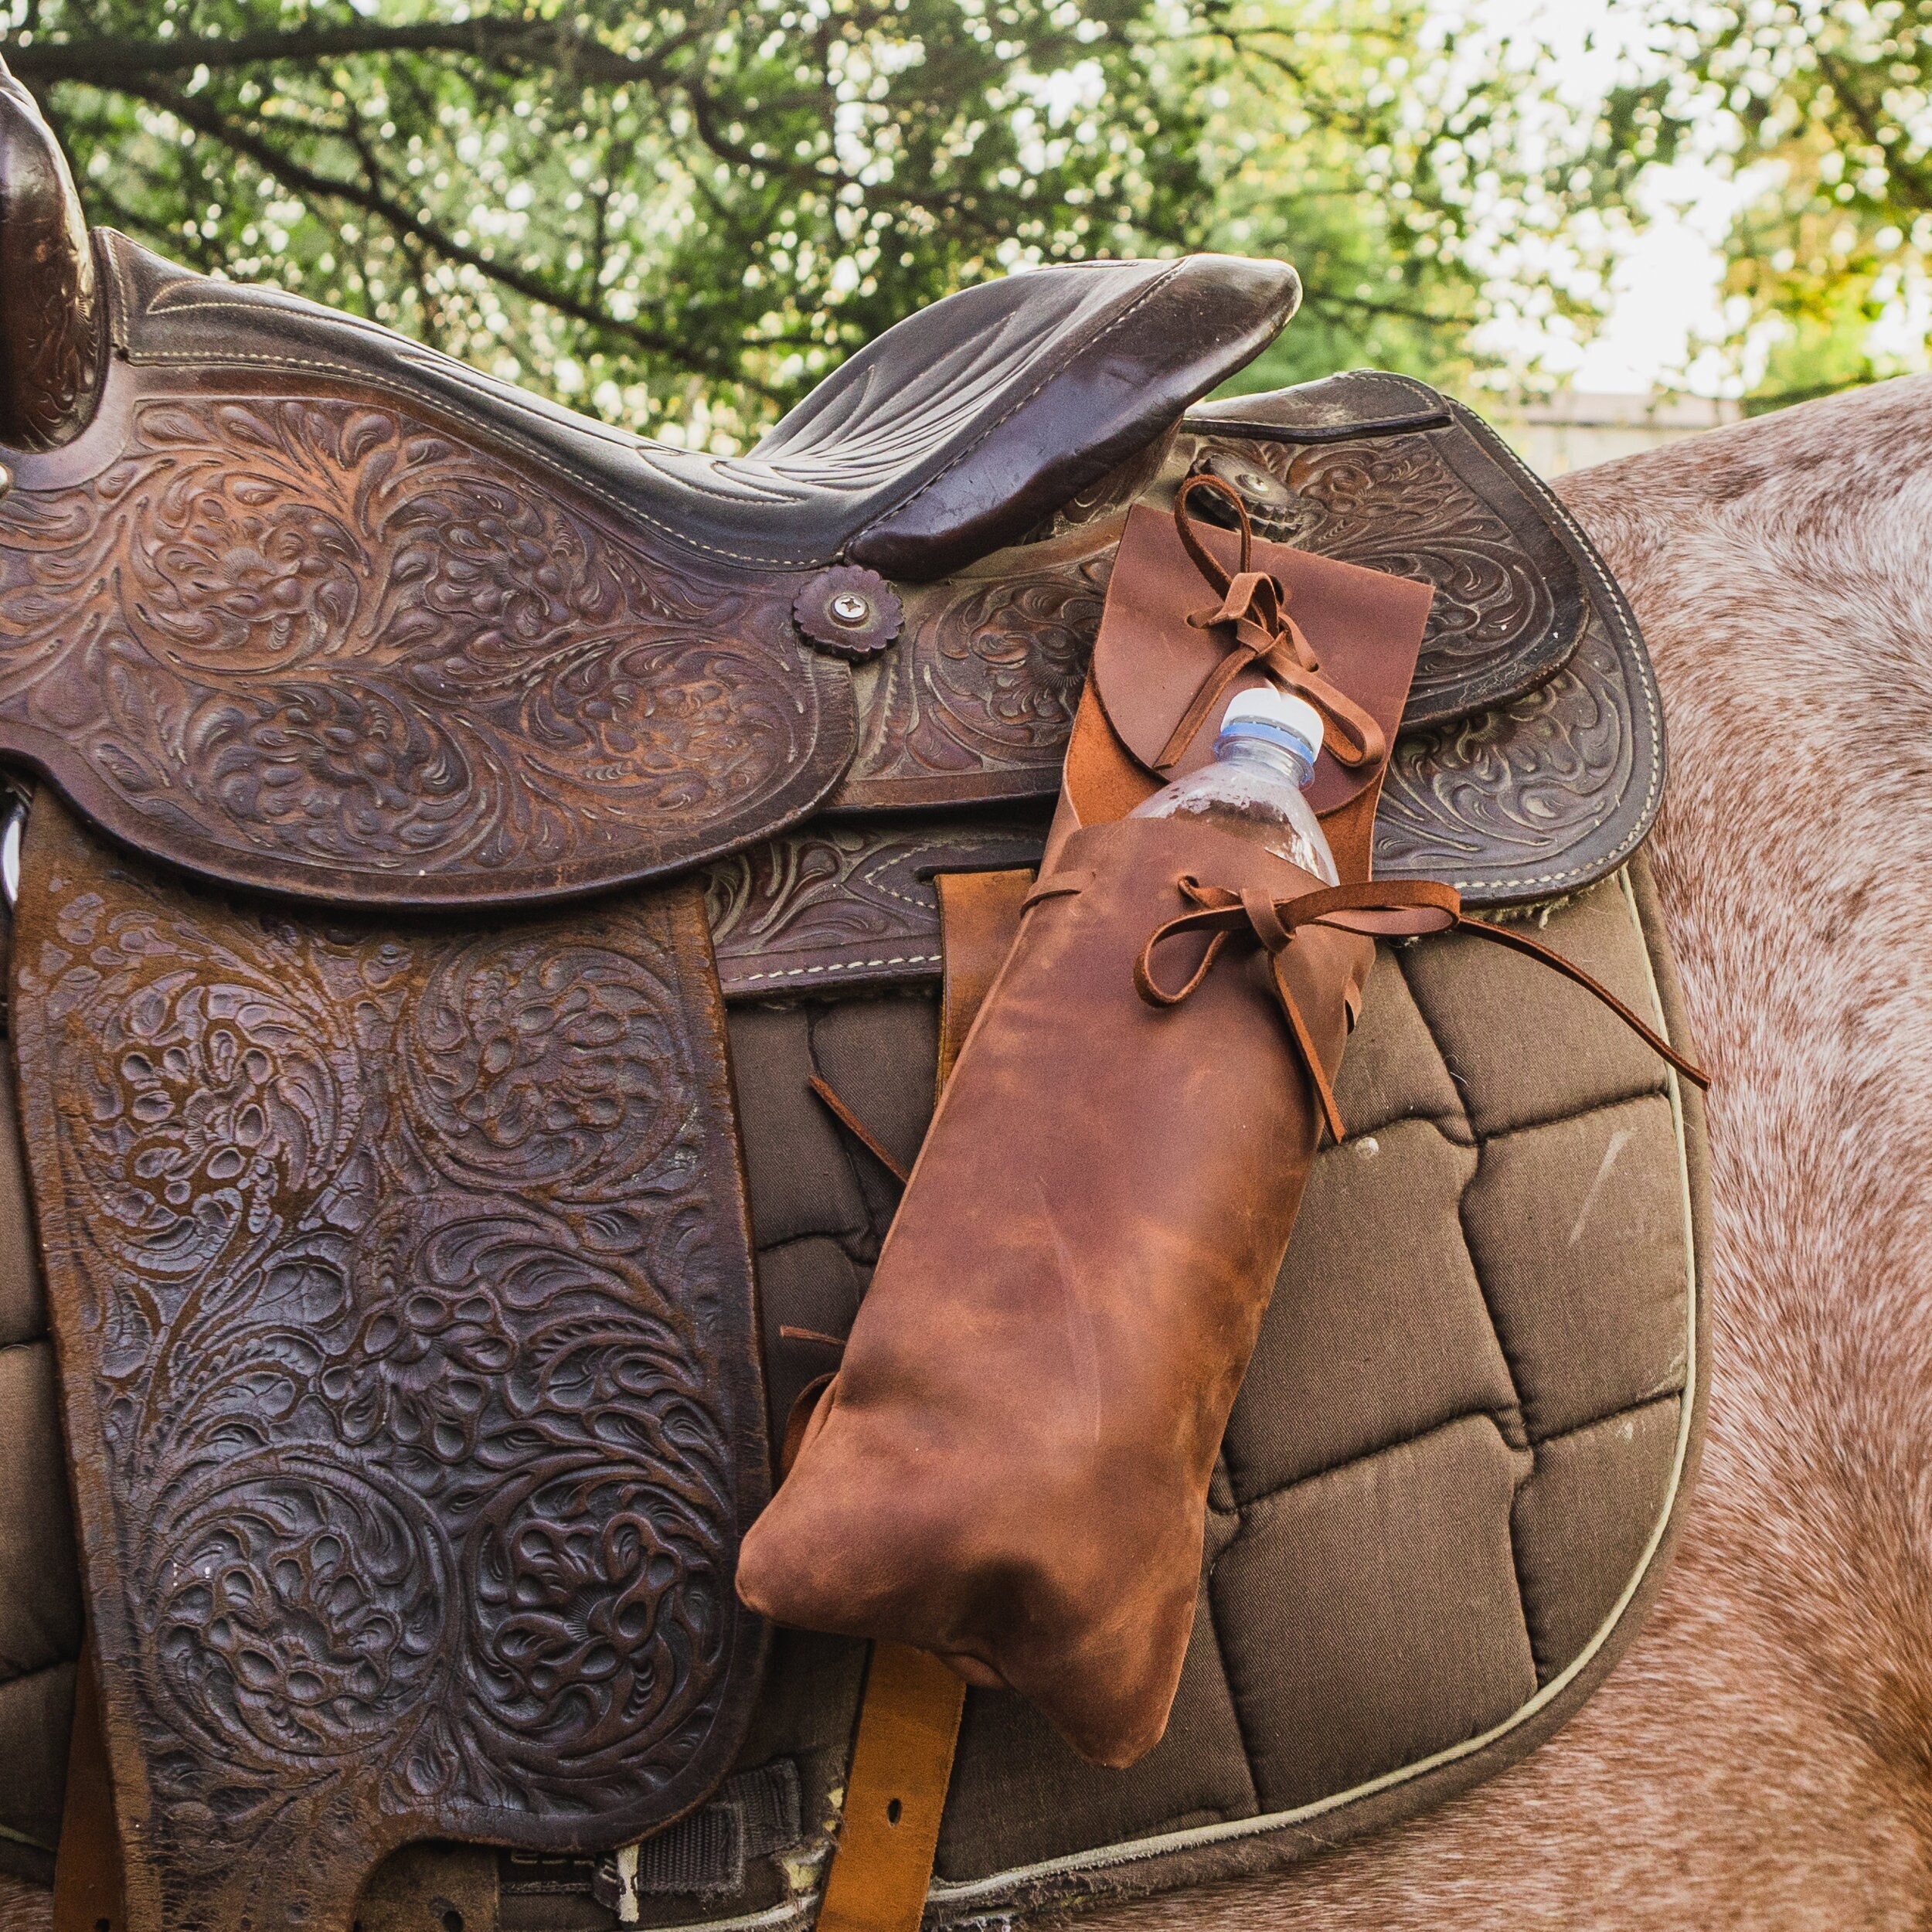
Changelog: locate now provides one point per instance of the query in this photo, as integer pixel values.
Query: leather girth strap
(90, 1889)
(902, 1758)
(901, 1762)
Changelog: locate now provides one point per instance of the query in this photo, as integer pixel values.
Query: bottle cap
(1270, 711)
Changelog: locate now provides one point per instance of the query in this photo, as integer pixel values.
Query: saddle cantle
(400, 1263)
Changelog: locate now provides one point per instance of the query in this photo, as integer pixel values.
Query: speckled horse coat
(1762, 1756)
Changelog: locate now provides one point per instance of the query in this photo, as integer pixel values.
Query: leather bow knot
(1262, 636)
(1391, 909)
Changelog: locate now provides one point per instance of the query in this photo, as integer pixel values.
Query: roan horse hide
(1760, 1757)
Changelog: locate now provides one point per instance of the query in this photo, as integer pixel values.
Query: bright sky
(1665, 295)
(1666, 292)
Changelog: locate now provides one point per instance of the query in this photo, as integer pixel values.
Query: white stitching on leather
(836, 966)
(571, 479)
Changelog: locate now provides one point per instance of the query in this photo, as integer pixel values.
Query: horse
(1762, 1755)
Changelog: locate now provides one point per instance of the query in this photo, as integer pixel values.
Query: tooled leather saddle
(480, 957)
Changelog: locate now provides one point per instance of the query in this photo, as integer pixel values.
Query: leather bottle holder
(1011, 1467)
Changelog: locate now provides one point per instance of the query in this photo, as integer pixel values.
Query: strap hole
(452, 1920)
(894, 1811)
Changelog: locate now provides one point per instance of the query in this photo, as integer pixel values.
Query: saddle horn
(49, 333)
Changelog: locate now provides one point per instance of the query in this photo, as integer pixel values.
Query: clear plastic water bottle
(1263, 755)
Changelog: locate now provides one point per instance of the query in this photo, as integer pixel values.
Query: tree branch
(1916, 183)
(115, 62)
(1393, 310)
(406, 223)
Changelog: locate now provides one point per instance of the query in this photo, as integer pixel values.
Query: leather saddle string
(821, 1089)
(1254, 607)
(1391, 909)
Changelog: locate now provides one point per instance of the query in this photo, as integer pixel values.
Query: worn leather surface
(980, 913)
(1383, 470)
(902, 1757)
(1532, 761)
(848, 902)
(89, 1890)
(1545, 768)
(406, 1321)
(49, 319)
(1027, 1499)
(1464, 1063)
(301, 605)
(268, 484)
(975, 702)
(1363, 623)
(951, 434)
(1029, 1503)
(1365, 626)
(288, 633)
(295, 603)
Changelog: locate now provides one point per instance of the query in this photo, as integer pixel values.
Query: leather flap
(1388, 473)
(1365, 627)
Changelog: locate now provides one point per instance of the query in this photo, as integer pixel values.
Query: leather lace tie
(1395, 908)
(1263, 637)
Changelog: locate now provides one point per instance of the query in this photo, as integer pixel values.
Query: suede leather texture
(1089, 1236)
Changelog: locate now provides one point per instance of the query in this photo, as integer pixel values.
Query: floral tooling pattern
(311, 643)
(1506, 591)
(978, 699)
(406, 1316)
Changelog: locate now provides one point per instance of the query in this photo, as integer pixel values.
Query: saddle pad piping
(1136, 1851)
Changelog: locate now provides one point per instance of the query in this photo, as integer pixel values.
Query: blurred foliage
(681, 218)
(1829, 104)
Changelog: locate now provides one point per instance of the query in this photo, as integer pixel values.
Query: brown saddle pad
(1443, 1501)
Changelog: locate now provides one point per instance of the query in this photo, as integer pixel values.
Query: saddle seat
(954, 433)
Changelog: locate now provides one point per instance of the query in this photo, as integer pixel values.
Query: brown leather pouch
(1011, 1467)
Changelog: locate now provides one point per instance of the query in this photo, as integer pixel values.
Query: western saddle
(500, 896)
